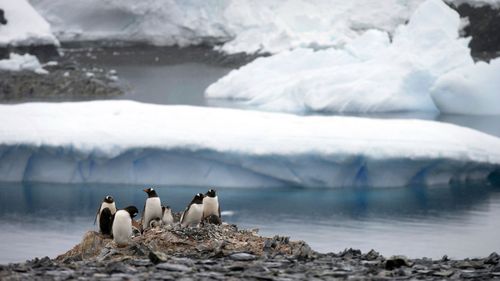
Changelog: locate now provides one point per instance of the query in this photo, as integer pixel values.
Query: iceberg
(24, 26)
(251, 26)
(372, 73)
(136, 143)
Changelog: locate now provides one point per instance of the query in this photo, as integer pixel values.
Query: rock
(157, 257)
(493, 258)
(350, 253)
(173, 267)
(444, 273)
(242, 257)
(396, 262)
(371, 255)
(484, 28)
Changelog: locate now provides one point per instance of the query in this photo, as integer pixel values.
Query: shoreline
(225, 252)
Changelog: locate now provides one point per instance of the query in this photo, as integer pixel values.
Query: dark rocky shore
(226, 253)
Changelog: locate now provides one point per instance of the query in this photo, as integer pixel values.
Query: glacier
(251, 26)
(372, 73)
(24, 26)
(135, 143)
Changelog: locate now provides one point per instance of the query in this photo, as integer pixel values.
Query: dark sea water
(48, 219)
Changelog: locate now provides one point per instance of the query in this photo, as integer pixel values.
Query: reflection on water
(47, 219)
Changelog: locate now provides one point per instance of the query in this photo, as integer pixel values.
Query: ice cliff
(130, 142)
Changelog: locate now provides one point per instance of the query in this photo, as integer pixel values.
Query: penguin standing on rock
(105, 215)
(152, 208)
(122, 225)
(211, 208)
(194, 212)
(167, 219)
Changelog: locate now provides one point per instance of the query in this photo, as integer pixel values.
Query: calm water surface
(48, 219)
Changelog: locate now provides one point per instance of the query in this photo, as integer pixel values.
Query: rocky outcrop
(484, 28)
(65, 80)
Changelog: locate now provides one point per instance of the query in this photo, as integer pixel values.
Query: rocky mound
(226, 253)
(209, 241)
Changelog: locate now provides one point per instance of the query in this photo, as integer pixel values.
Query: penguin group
(120, 223)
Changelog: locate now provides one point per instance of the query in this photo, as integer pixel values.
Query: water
(48, 219)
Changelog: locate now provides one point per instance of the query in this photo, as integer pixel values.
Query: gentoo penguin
(104, 215)
(152, 208)
(167, 219)
(122, 225)
(211, 204)
(194, 211)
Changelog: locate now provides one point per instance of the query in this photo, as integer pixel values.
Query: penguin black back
(151, 192)
(106, 221)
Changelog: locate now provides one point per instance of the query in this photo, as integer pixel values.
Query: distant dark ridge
(484, 27)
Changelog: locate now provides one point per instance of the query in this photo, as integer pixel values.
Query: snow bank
(22, 62)
(24, 26)
(130, 142)
(243, 26)
(371, 74)
(470, 90)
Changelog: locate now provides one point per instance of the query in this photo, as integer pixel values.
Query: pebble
(242, 257)
(173, 267)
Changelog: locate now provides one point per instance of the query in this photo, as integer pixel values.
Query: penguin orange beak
(146, 190)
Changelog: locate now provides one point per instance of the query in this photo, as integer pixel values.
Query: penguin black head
(163, 208)
(198, 199)
(211, 193)
(132, 210)
(151, 192)
(109, 199)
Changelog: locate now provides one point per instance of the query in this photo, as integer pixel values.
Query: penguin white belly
(122, 227)
(193, 215)
(210, 206)
(110, 206)
(168, 219)
(152, 211)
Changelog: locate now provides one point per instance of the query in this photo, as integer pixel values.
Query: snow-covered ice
(241, 26)
(17, 62)
(24, 26)
(371, 73)
(470, 90)
(130, 142)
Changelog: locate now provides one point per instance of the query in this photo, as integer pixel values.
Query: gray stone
(173, 267)
(242, 257)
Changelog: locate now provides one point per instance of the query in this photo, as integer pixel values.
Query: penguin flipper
(220, 217)
(183, 213)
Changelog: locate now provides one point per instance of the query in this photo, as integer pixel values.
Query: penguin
(194, 211)
(155, 222)
(104, 215)
(211, 204)
(167, 218)
(152, 208)
(122, 225)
